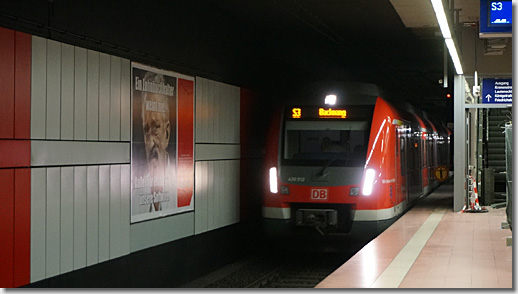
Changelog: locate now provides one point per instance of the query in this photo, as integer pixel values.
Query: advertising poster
(161, 144)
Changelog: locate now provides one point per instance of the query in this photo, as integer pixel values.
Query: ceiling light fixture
(446, 33)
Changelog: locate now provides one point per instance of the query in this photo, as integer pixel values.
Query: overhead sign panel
(497, 91)
(495, 19)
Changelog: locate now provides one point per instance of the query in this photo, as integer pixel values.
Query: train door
(401, 156)
(414, 166)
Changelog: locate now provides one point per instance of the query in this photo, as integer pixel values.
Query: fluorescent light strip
(441, 18)
(445, 30)
(453, 53)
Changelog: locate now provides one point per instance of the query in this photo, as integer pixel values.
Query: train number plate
(318, 194)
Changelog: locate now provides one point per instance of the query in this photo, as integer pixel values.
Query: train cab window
(318, 142)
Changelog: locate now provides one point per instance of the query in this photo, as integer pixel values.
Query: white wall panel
(125, 100)
(115, 98)
(104, 97)
(67, 92)
(104, 213)
(67, 220)
(92, 96)
(79, 217)
(53, 124)
(92, 215)
(38, 221)
(80, 105)
(38, 87)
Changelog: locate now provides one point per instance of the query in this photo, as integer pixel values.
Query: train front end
(315, 165)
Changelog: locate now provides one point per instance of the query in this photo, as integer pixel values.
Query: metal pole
(459, 143)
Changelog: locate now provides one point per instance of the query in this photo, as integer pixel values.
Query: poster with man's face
(153, 144)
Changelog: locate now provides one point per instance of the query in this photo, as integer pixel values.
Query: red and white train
(356, 161)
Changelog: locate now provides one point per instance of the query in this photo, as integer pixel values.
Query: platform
(433, 247)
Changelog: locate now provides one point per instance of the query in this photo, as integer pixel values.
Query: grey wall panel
(92, 96)
(226, 211)
(210, 112)
(236, 121)
(38, 221)
(67, 219)
(104, 213)
(92, 215)
(53, 222)
(200, 201)
(80, 106)
(217, 151)
(236, 187)
(58, 153)
(79, 217)
(217, 194)
(199, 106)
(125, 100)
(162, 230)
(216, 90)
(211, 221)
(217, 112)
(125, 209)
(53, 108)
(67, 92)
(115, 211)
(115, 98)
(38, 87)
(104, 97)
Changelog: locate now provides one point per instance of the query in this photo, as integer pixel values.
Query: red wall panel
(6, 228)
(7, 50)
(22, 86)
(15, 124)
(22, 227)
(15, 153)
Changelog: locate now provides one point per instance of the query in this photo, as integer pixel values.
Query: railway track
(286, 269)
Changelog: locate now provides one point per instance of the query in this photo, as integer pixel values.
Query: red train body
(343, 166)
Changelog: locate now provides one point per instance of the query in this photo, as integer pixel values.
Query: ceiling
(270, 44)
(396, 44)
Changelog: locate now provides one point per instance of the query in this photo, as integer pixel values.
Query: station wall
(65, 140)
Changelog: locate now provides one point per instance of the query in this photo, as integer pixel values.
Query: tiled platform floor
(433, 247)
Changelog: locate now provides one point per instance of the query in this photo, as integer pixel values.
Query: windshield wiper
(322, 172)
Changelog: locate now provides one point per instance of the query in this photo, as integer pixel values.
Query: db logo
(318, 194)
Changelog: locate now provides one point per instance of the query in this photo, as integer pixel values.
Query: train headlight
(368, 182)
(273, 180)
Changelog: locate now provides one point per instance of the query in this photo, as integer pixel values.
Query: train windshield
(326, 142)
